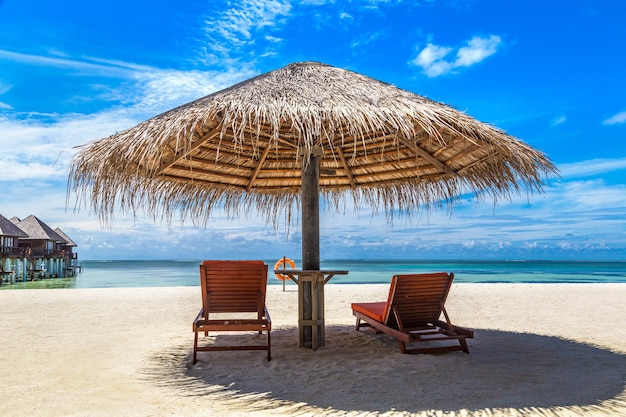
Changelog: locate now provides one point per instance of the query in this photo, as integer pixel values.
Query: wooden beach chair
(412, 313)
(235, 292)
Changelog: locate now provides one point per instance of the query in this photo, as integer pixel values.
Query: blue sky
(550, 73)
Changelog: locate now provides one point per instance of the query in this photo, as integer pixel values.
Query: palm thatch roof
(244, 146)
(38, 230)
(66, 238)
(7, 228)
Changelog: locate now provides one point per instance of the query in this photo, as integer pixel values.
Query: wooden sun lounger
(412, 313)
(235, 288)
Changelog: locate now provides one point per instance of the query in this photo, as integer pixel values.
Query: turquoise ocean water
(107, 274)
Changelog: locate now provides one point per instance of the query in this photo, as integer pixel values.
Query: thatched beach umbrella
(273, 142)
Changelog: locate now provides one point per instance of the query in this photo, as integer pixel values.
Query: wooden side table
(310, 303)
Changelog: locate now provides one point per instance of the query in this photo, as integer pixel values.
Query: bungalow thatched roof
(243, 147)
(38, 230)
(65, 237)
(7, 228)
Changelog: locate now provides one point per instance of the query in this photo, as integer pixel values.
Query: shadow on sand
(362, 373)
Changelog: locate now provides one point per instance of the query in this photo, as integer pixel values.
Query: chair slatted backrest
(417, 298)
(233, 286)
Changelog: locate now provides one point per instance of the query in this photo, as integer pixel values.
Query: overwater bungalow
(67, 248)
(41, 252)
(9, 249)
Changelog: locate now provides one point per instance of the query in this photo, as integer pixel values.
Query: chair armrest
(267, 315)
(200, 316)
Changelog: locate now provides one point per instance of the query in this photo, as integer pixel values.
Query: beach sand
(539, 350)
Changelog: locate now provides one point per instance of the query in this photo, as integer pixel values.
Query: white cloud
(40, 150)
(559, 120)
(593, 194)
(477, 50)
(470, 244)
(160, 90)
(39, 146)
(148, 90)
(4, 87)
(432, 58)
(273, 39)
(365, 39)
(617, 119)
(84, 65)
(238, 26)
(591, 167)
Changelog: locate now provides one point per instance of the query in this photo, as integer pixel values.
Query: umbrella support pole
(310, 297)
(311, 310)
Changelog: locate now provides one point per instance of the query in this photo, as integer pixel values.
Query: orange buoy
(282, 264)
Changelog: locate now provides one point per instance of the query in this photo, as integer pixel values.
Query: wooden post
(284, 267)
(310, 241)
(25, 269)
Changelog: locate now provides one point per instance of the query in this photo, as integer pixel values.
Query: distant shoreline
(386, 260)
(170, 273)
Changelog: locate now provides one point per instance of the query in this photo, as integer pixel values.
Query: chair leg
(195, 347)
(269, 347)
(358, 324)
(402, 346)
(464, 345)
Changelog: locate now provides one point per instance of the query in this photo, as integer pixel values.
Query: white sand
(539, 350)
